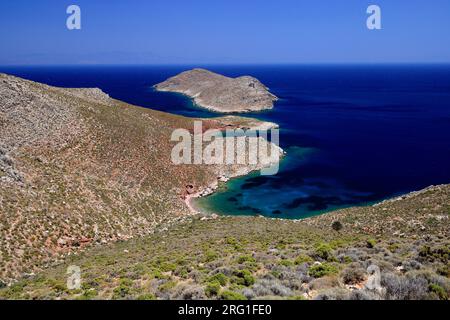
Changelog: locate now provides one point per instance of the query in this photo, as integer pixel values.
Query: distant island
(219, 93)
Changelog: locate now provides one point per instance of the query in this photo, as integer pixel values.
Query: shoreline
(210, 108)
(211, 91)
(211, 188)
(228, 171)
(395, 198)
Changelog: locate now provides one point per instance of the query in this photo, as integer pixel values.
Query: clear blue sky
(223, 31)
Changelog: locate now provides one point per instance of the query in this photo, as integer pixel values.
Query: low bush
(353, 274)
(147, 296)
(167, 266)
(168, 285)
(188, 292)
(439, 291)
(123, 290)
(212, 289)
(231, 295)
(337, 226)
(286, 263)
(243, 277)
(444, 270)
(370, 243)
(333, 294)
(321, 270)
(268, 287)
(245, 258)
(324, 251)
(363, 295)
(220, 278)
(209, 256)
(303, 259)
(404, 288)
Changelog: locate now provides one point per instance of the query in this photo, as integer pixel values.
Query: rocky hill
(219, 93)
(79, 168)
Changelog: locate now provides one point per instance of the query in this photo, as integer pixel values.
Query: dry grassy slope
(254, 257)
(77, 167)
(412, 216)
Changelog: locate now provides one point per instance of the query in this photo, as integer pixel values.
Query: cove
(354, 134)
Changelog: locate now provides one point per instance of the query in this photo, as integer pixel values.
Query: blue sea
(354, 134)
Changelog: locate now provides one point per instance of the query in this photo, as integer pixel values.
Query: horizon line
(222, 64)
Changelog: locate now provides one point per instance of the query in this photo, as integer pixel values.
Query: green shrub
(60, 287)
(321, 270)
(323, 251)
(147, 296)
(425, 251)
(243, 277)
(337, 226)
(167, 286)
(233, 242)
(157, 274)
(439, 291)
(444, 270)
(432, 254)
(276, 273)
(231, 295)
(220, 278)
(371, 243)
(123, 290)
(286, 263)
(347, 259)
(212, 289)
(303, 259)
(182, 272)
(167, 266)
(88, 294)
(393, 247)
(245, 258)
(210, 255)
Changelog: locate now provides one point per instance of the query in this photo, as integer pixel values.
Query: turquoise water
(353, 134)
(231, 196)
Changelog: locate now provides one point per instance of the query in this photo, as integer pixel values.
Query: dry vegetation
(77, 168)
(86, 180)
(254, 257)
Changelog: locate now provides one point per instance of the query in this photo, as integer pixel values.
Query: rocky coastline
(218, 93)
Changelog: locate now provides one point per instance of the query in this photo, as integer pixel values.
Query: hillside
(253, 257)
(78, 167)
(219, 93)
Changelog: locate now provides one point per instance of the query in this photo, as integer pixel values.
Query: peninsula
(219, 93)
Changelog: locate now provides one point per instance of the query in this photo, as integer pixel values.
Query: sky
(34, 32)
